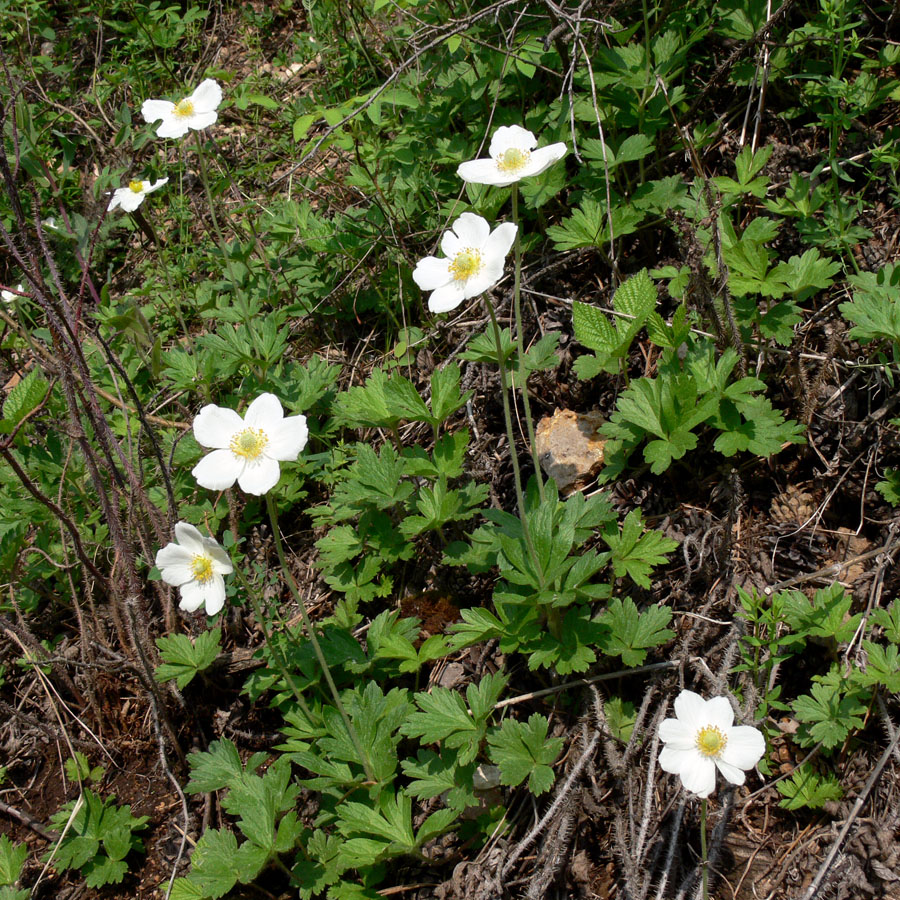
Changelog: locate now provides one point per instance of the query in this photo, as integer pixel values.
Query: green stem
(280, 663)
(522, 377)
(704, 857)
(279, 549)
(510, 436)
(212, 211)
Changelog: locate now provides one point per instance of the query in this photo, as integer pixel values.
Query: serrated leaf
(12, 858)
(183, 659)
(636, 552)
(631, 633)
(213, 863)
(218, 767)
(829, 715)
(24, 397)
(807, 789)
(522, 750)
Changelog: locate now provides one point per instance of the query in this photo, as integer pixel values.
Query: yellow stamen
(184, 108)
(465, 264)
(513, 160)
(136, 186)
(202, 569)
(711, 741)
(249, 443)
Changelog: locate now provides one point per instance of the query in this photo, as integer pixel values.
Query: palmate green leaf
(432, 775)
(184, 889)
(183, 659)
(320, 866)
(389, 821)
(522, 750)
(889, 486)
(829, 714)
(446, 398)
(807, 789)
(825, 616)
(635, 552)
(218, 767)
(889, 620)
(588, 226)
(213, 863)
(102, 870)
(630, 633)
(882, 668)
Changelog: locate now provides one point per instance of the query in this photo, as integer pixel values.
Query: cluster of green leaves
(97, 837)
(12, 861)
(781, 630)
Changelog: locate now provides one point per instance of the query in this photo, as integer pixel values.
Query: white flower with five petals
(512, 157)
(196, 111)
(195, 565)
(247, 450)
(474, 260)
(131, 197)
(703, 738)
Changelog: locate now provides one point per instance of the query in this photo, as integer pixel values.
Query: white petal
(259, 476)
(218, 470)
(446, 297)
(691, 709)
(719, 712)
(215, 426)
(207, 96)
(677, 735)
(191, 597)
(174, 564)
(543, 158)
(483, 281)
(116, 201)
(264, 412)
(431, 272)
(221, 563)
(201, 120)
(149, 188)
(508, 136)
(451, 244)
(674, 760)
(173, 128)
(214, 595)
(483, 171)
(131, 201)
(472, 230)
(500, 241)
(153, 110)
(288, 439)
(745, 747)
(700, 776)
(190, 538)
(731, 773)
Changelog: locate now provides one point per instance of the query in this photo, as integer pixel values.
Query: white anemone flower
(195, 112)
(703, 738)
(474, 259)
(195, 565)
(513, 157)
(247, 450)
(131, 197)
(9, 296)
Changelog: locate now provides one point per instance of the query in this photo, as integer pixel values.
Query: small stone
(569, 448)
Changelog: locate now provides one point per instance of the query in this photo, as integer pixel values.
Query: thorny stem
(279, 549)
(522, 376)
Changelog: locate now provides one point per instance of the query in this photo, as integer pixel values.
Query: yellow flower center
(184, 108)
(202, 568)
(136, 186)
(249, 443)
(513, 160)
(465, 264)
(711, 741)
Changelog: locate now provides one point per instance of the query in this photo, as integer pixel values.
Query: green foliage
(522, 750)
(807, 789)
(875, 307)
(78, 768)
(184, 658)
(98, 837)
(12, 861)
(629, 633)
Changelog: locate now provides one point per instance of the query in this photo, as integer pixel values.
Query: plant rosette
(473, 263)
(195, 565)
(702, 738)
(247, 450)
(192, 113)
(512, 157)
(132, 196)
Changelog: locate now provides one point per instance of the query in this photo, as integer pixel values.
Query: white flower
(474, 262)
(195, 565)
(513, 157)
(703, 738)
(197, 111)
(247, 450)
(9, 296)
(131, 197)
